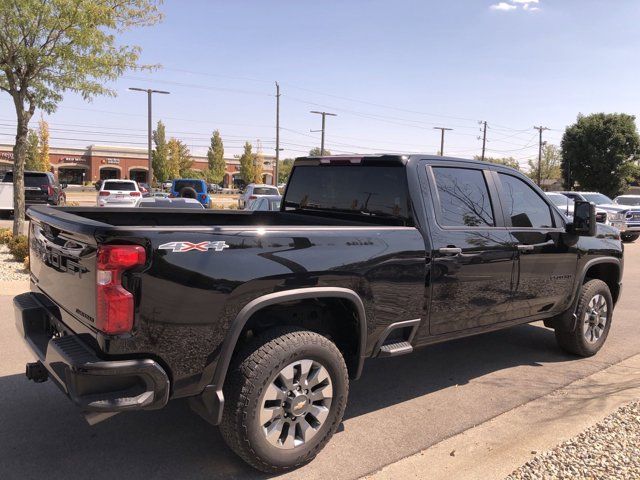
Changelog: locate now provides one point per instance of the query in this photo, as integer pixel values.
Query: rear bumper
(94, 384)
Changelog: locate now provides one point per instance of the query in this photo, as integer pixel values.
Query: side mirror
(584, 219)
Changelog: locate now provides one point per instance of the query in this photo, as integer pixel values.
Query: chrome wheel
(595, 318)
(296, 404)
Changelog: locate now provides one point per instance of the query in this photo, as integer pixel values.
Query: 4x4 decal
(181, 247)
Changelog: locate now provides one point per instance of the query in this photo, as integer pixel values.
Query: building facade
(76, 166)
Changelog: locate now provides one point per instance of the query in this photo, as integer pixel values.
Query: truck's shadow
(42, 435)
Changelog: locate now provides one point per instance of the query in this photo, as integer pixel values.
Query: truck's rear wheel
(629, 237)
(594, 313)
(284, 398)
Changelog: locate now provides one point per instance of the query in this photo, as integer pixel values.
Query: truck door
(473, 254)
(546, 264)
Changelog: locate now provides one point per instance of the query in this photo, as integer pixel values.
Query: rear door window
(464, 199)
(523, 205)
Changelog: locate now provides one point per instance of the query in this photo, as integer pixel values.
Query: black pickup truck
(261, 318)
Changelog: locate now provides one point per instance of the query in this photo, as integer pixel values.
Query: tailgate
(63, 266)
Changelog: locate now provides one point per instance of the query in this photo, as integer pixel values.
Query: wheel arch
(210, 403)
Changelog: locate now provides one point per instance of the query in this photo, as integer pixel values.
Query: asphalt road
(401, 406)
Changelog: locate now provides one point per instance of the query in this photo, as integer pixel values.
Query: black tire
(575, 341)
(252, 371)
(629, 237)
(188, 192)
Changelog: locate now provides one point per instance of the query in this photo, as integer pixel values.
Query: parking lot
(400, 406)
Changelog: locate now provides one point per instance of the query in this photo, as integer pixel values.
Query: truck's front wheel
(284, 398)
(594, 313)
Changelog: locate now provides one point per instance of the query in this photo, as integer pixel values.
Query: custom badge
(181, 247)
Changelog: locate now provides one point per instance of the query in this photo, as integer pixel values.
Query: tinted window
(523, 205)
(195, 184)
(265, 191)
(126, 186)
(464, 197)
(362, 189)
(628, 201)
(30, 179)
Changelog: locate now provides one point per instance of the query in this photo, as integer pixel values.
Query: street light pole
(275, 180)
(149, 92)
(324, 115)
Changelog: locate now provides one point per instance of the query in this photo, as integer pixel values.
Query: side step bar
(394, 349)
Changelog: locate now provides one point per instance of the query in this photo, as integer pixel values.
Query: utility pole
(275, 179)
(484, 138)
(540, 130)
(442, 130)
(149, 125)
(324, 114)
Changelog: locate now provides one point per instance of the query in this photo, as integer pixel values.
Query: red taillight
(252, 197)
(104, 193)
(135, 194)
(114, 305)
(49, 189)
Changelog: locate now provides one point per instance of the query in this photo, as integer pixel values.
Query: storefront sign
(113, 161)
(7, 155)
(72, 160)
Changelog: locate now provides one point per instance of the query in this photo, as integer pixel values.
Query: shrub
(5, 236)
(19, 248)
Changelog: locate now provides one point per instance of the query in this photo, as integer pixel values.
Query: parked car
(40, 188)
(624, 218)
(118, 193)
(253, 191)
(261, 318)
(266, 203)
(160, 195)
(145, 189)
(214, 188)
(166, 202)
(627, 200)
(191, 188)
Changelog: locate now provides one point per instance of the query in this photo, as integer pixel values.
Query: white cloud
(526, 2)
(504, 6)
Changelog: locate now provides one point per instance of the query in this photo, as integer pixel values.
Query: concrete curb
(497, 447)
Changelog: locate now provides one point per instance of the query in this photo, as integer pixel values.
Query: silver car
(119, 193)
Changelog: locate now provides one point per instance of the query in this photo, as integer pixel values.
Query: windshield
(559, 199)
(122, 186)
(195, 184)
(628, 201)
(365, 190)
(597, 198)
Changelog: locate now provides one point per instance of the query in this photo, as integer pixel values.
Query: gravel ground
(9, 268)
(608, 450)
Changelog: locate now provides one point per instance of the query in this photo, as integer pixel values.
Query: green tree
(44, 164)
(599, 151)
(549, 165)
(315, 152)
(506, 161)
(284, 170)
(50, 47)
(160, 154)
(215, 157)
(258, 163)
(33, 147)
(179, 159)
(248, 164)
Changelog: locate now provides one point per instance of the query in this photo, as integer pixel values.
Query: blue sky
(390, 70)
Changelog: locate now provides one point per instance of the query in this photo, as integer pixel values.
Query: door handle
(525, 248)
(450, 250)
